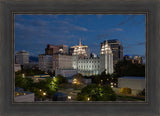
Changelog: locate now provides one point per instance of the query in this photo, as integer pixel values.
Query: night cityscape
(79, 58)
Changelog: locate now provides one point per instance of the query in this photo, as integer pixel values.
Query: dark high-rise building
(56, 49)
(117, 49)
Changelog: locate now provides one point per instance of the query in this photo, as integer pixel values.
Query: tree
(48, 86)
(103, 79)
(127, 68)
(125, 90)
(25, 83)
(51, 73)
(142, 93)
(29, 72)
(96, 93)
(59, 79)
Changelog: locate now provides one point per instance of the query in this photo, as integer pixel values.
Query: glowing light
(74, 81)
(55, 79)
(112, 86)
(88, 98)
(44, 93)
(52, 83)
(23, 75)
(69, 97)
(40, 90)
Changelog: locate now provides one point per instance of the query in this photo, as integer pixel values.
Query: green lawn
(130, 98)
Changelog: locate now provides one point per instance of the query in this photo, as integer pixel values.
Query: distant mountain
(33, 59)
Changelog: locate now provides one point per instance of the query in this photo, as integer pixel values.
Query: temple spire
(80, 42)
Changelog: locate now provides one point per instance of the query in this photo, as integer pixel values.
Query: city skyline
(34, 32)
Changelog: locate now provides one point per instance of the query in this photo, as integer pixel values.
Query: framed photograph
(50, 66)
(79, 58)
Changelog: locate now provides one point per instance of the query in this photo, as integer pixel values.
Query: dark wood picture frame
(152, 104)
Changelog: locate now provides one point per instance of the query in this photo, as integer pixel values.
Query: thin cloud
(137, 22)
(110, 32)
(115, 29)
(102, 36)
(68, 26)
(39, 23)
(127, 20)
(80, 28)
(141, 43)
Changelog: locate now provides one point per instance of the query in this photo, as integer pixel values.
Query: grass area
(130, 98)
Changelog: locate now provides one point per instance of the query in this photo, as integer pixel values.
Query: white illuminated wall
(95, 66)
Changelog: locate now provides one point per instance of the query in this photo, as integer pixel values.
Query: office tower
(45, 62)
(56, 49)
(22, 57)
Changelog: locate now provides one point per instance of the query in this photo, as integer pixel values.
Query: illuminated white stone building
(88, 66)
(80, 50)
(106, 57)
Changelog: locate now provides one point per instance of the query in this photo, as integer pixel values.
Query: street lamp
(44, 93)
(23, 75)
(69, 97)
(74, 81)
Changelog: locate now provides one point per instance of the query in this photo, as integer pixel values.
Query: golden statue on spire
(80, 42)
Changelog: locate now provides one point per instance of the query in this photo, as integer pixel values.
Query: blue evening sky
(34, 32)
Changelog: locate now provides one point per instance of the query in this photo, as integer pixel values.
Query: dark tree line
(127, 68)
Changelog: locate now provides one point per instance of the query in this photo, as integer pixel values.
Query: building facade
(117, 49)
(79, 61)
(66, 72)
(134, 59)
(45, 62)
(22, 57)
(88, 66)
(80, 50)
(53, 62)
(56, 49)
(137, 83)
(23, 96)
(137, 60)
(62, 61)
(17, 67)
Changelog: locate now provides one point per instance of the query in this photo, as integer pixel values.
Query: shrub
(125, 90)
(96, 93)
(142, 93)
